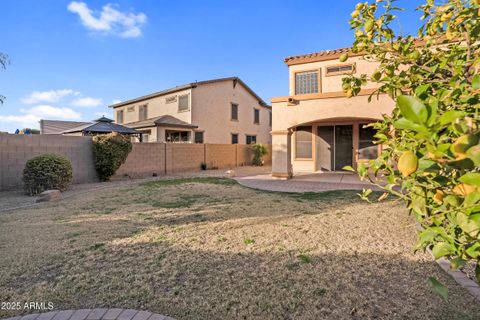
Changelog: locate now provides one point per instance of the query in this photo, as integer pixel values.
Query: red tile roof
(316, 56)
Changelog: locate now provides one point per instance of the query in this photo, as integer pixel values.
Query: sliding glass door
(334, 147)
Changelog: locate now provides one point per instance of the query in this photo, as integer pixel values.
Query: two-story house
(219, 111)
(316, 127)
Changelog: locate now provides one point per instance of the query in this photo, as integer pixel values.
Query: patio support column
(281, 154)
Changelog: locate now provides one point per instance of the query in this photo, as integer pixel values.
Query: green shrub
(259, 150)
(110, 151)
(45, 172)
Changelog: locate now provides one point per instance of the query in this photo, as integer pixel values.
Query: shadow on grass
(197, 284)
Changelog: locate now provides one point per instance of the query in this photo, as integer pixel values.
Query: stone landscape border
(94, 314)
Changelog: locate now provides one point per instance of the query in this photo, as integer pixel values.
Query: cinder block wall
(146, 159)
(219, 156)
(15, 150)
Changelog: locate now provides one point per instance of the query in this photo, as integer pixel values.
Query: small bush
(110, 151)
(45, 172)
(259, 150)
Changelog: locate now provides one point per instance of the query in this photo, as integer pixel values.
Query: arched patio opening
(331, 144)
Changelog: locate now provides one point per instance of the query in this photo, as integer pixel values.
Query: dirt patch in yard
(207, 248)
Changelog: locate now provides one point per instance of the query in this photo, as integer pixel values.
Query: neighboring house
(102, 125)
(57, 126)
(219, 111)
(316, 127)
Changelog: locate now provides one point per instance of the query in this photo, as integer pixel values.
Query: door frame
(355, 137)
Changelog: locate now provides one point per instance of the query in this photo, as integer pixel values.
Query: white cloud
(86, 102)
(23, 121)
(72, 97)
(49, 112)
(115, 101)
(48, 96)
(31, 116)
(109, 20)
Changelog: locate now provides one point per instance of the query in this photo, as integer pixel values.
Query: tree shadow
(200, 284)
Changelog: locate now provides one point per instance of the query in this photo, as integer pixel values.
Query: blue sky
(71, 59)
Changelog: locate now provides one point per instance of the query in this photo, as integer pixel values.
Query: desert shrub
(110, 151)
(259, 150)
(46, 172)
(431, 154)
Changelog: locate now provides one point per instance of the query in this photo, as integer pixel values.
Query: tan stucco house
(220, 111)
(316, 127)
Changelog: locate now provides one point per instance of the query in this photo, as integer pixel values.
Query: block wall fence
(145, 159)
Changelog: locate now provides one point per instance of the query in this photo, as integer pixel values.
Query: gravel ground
(211, 249)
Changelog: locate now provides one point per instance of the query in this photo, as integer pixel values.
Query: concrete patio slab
(301, 182)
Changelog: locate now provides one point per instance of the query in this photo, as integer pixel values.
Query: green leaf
(438, 288)
(424, 164)
(471, 199)
(471, 178)
(421, 89)
(450, 116)
(467, 225)
(474, 250)
(348, 168)
(473, 154)
(406, 124)
(441, 249)
(413, 109)
(476, 82)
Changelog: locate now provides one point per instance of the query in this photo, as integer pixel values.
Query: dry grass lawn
(208, 248)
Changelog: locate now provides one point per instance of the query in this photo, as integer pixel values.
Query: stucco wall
(306, 111)
(156, 107)
(332, 83)
(212, 113)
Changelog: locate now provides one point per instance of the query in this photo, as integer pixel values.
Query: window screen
(120, 116)
(340, 69)
(306, 82)
(234, 138)
(198, 137)
(234, 111)
(366, 148)
(303, 143)
(256, 116)
(142, 112)
(183, 103)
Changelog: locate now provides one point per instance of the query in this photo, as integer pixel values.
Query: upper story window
(120, 116)
(234, 111)
(340, 69)
(183, 102)
(143, 112)
(307, 82)
(256, 116)
(270, 118)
